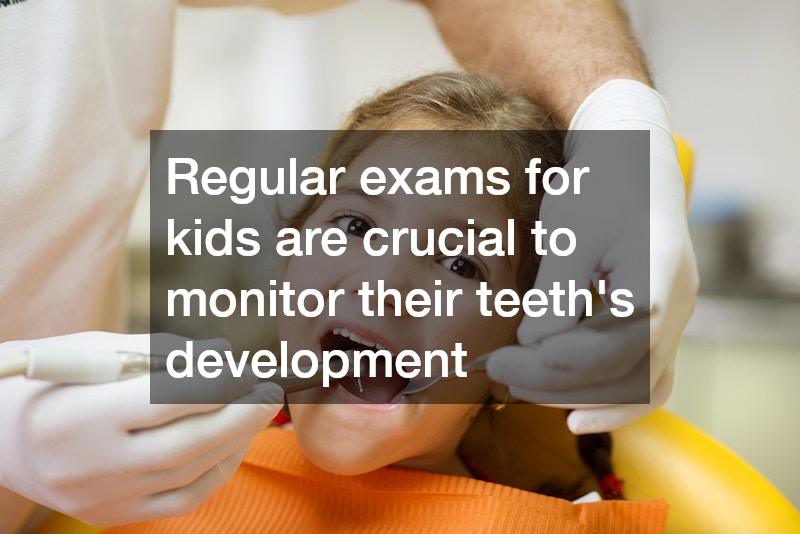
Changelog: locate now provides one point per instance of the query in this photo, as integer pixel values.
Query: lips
(379, 389)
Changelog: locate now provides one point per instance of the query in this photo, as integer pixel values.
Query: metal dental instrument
(424, 382)
(74, 366)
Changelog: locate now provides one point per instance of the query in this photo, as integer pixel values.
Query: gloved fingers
(663, 355)
(180, 475)
(573, 359)
(104, 413)
(670, 284)
(186, 499)
(585, 420)
(673, 267)
(170, 398)
(624, 275)
(188, 438)
(195, 388)
(587, 356)
(95, 471)
(223, 389)
(136, 485)
(667, 325)
(633, 387)
(127, 403)
(579, 267)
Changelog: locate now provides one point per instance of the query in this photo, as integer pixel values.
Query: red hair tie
(281, 419)
(611, 486)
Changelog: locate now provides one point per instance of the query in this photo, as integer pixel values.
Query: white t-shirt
(83, 82)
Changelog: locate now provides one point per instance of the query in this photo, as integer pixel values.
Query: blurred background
(728, 69)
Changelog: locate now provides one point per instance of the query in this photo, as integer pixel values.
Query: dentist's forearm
(558, 51)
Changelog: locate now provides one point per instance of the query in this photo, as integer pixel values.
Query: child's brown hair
(507, 127)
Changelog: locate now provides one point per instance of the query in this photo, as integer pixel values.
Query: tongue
(379, 390)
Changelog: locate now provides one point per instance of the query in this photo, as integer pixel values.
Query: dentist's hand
(580, 368)
(103, 454)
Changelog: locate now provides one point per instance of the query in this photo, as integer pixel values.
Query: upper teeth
(344, 332)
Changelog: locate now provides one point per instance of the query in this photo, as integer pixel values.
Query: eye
(463, 267)
(350, 224)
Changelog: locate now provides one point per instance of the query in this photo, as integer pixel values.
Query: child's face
(336, 429)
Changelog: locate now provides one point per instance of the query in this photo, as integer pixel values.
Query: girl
(364, 457)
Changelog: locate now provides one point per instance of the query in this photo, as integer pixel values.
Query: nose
(390, 279)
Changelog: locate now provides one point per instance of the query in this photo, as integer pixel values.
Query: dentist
(85, 82)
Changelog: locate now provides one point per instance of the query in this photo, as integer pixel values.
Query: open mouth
(379, 389)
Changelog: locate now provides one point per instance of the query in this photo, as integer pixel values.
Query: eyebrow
(356, 191)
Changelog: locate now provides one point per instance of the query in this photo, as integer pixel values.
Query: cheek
(325, 273)
(303, 272)
(477, 333)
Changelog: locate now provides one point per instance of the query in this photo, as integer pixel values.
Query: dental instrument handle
(80, 366)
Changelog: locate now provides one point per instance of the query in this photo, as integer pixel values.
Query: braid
(595, 451)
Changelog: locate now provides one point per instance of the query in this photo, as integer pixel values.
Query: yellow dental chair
(709, 488)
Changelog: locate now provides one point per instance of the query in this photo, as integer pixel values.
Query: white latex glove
(561, 368)
(103, 454)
